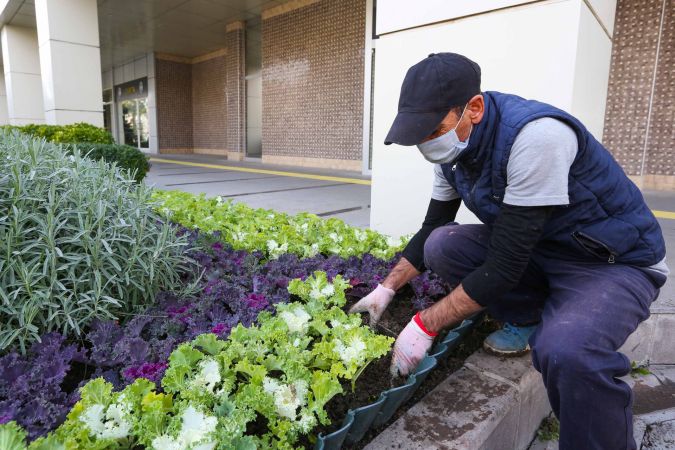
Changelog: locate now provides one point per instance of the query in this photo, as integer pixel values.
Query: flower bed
(263, 387)
(38, 389)
(250, 356)
(266, 386)
(272, 232)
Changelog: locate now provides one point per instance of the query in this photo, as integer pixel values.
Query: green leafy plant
(77, 132)
(639, 369)
(124, 156)
(263, 387)
(94, 142)
(274, 233)
(79, 241)
(549, 429)
(82, 132)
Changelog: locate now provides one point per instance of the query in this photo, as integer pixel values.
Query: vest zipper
(580, 237)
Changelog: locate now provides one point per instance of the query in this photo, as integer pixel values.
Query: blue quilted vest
(606, 219)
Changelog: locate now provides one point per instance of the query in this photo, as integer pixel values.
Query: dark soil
(375, 378)
(471, 342)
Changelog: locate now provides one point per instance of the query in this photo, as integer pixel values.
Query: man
(569, 256)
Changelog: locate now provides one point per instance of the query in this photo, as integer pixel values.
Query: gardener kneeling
(569, 257)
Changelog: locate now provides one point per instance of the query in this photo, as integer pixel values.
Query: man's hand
(375, 303)
(410, 347)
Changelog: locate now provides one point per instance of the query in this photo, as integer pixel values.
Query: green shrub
(82, 132)
(94, 142)
(79, 240)
(125, 156)
(77, 132)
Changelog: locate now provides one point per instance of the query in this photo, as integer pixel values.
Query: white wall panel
(591, 73)
(23, 82)
(395, 15)
(531, 50)
(606, 11)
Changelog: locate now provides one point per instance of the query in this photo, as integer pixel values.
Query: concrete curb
(652, 341)
(658, 427)
(490, 403)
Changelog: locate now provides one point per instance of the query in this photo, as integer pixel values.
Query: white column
(152, 105)
(70, 60)
(553, 51)
(4, 116)
(21, 67)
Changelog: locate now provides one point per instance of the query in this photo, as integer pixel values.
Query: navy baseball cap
(430, 89)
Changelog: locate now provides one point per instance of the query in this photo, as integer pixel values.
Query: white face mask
(446, 147)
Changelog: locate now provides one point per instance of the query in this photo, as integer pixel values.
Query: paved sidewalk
(328, 193)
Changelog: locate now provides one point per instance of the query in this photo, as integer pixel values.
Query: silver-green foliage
(79, 241)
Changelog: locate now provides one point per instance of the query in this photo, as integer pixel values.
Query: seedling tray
(357, 422)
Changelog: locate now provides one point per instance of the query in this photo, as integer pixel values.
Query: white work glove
(410, 347)
(375, 303)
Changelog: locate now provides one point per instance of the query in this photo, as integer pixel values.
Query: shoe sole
(505, 353)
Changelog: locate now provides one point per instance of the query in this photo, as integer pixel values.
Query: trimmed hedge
(77, 132)
(126, 157)
(96, 143)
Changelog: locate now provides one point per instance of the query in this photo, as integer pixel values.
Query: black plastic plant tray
(357, 422)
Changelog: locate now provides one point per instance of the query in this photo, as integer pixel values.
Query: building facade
(315, 82)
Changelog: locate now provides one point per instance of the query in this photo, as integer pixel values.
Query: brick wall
(313, 66)
(174, 105)
(209, 112)
(640, 115)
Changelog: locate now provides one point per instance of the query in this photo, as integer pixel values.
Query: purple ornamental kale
(34, 388)
(151, 371)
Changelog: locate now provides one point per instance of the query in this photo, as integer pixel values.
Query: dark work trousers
(586, 311)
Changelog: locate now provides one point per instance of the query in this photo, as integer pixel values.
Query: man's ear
(476, 108)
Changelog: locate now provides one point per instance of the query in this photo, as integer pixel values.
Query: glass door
(135, 122)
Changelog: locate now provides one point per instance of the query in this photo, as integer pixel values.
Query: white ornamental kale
(319, 292)
(239, 236)
(194, 433)
(107, 423)
(287, 397)
(296, 320)
(275, 250)
(393, 242)
(335, 237)
(353, 353)
(208, 376)
(311, 250)
(307, 421)
(335, 323)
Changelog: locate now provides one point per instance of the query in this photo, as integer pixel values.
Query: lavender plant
(79, 241)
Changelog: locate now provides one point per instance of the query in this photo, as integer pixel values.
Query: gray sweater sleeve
(539, 164)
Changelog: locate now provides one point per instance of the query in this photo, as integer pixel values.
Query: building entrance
(135, 123)
(132, 111)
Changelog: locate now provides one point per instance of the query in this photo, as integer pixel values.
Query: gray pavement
(666, 202)
(301, 192)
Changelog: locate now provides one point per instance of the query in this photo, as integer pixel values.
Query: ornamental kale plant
(79, 241)
(235, 287)
(275, 233)
(263, 387)
(31, 386)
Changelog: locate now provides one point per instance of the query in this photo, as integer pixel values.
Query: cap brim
(411, 128)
